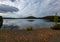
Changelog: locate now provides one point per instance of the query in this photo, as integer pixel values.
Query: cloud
(12, 0)
(41, 8)
(33, 7)
(7, 8)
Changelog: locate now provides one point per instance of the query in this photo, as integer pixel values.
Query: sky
(24, 8)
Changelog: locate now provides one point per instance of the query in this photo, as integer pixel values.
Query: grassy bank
(36, 35)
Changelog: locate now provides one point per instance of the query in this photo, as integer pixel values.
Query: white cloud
(34, 7)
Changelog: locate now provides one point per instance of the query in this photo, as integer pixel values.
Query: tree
(1, 21)
(56, 26)
(56, 19)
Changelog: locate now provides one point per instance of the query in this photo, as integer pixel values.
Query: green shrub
(56, 18)
(1, 21)
(29, 28)
(56, 27)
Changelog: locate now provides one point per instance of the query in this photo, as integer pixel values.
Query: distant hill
(49, 17)
(9, 18)
(29, 17)
(32, 17)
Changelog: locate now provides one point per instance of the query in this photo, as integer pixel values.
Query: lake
(24, 23)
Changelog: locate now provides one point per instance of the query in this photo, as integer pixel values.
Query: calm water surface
(24, 23)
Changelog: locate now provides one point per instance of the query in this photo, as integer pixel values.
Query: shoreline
(35, 35)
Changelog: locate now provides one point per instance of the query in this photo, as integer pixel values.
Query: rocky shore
(36, 35)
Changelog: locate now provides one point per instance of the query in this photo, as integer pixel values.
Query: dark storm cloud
(7, 8)
(12, 0)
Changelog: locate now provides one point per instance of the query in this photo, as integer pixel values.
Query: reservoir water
(24, 23)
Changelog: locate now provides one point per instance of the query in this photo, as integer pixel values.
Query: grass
(29, 28)
(1, 40)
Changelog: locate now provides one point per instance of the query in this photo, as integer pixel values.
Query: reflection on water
(23, 23)
(52, 20)
(31, 20)
(10, 27)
